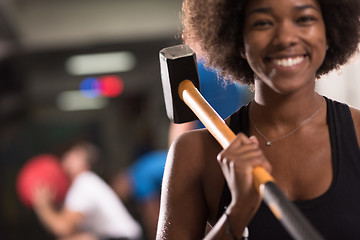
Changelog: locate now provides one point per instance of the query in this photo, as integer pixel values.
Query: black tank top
(336, 213)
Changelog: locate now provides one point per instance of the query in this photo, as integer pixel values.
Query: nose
(286, 34)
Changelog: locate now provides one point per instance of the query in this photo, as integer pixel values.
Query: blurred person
(91, 210)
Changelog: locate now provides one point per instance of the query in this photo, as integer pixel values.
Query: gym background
(89, 68)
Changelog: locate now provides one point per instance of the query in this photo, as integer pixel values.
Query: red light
(111, 86)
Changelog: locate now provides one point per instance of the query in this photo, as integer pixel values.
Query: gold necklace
(269, 142)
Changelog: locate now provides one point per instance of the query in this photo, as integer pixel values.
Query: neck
(75, 174)
(276, 108)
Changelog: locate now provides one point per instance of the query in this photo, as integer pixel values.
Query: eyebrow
(261, 10)
(302, 7)
(270, 9)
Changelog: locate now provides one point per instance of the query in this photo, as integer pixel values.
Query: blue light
(90, 87)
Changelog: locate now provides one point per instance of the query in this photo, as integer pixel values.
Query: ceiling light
(76, 101)
(100, 63)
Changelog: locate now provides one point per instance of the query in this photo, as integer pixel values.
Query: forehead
(281, 4)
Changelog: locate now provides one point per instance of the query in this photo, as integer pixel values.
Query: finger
(236, 153)
(254, 139)
(233, 162)
(239, 140)
(251, 160)
(244, 138)
(253, 156)
(224, 164)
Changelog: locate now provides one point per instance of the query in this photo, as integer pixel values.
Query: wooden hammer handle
(216, 125)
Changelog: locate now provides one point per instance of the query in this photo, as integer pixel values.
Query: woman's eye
(306, 19)
(262, 23)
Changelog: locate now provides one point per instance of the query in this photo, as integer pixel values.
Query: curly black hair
(217, 26)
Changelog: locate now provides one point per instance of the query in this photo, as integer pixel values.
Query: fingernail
(254, 139)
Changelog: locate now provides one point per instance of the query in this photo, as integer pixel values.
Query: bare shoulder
(193, 145)
(356, 119)
(184, 202)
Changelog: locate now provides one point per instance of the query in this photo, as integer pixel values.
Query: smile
(288, 62)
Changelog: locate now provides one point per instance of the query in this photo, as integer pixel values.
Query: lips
(288, 61)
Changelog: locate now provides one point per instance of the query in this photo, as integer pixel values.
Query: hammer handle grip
(216, 125)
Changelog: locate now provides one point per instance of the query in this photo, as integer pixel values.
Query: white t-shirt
(104, 213)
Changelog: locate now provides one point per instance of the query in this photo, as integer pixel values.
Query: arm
(237, 162)
(61, 223)
(183, 209)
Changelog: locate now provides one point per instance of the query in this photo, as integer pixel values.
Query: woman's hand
(237, 162)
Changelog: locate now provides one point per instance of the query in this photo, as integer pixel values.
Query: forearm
(54, 221)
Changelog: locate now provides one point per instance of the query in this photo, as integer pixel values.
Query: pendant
(268, 143)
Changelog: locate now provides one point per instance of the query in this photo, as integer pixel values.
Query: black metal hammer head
(178, 63)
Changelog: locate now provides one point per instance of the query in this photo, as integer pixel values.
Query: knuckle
(220, 157)
(241, 134)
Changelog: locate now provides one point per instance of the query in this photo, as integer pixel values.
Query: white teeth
(288, 62)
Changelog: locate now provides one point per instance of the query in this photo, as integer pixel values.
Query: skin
(284, 43)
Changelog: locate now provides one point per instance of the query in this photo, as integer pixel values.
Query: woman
(309, 143)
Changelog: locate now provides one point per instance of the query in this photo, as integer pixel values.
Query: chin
(289, 85)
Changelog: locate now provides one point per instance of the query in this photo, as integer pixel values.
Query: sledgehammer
(180, 81)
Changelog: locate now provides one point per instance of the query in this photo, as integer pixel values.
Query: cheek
(322, 42)
(320, 45)
(255, 58)
(255, 45)
(318, 35)
(319, 40)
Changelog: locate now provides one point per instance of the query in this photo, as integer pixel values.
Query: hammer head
(178, 63)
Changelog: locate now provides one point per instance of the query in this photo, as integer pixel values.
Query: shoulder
(195, 144)
(190, 158)
(86, 184)
(355, 114)
(86, 177)
(186, 201)
(356, 119)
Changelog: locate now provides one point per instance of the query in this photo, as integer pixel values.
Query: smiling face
(285, 42)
